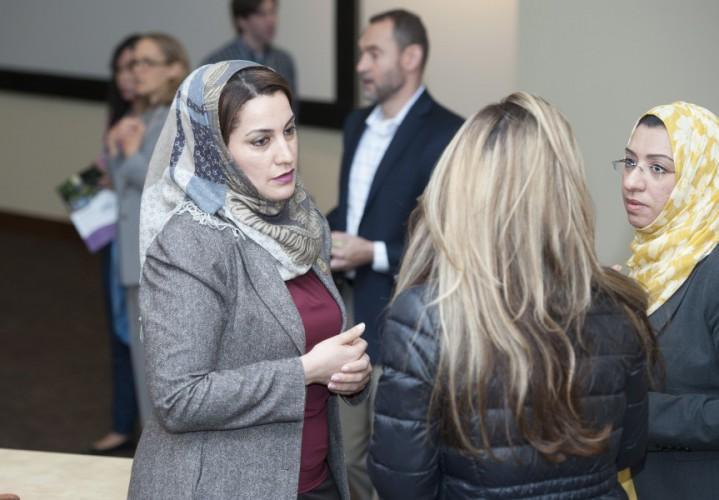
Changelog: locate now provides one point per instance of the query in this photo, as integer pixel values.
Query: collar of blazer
(272, 290)
(704, 270)
(406, 132)
(662, 316)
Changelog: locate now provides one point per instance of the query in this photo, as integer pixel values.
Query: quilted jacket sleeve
(404, 450)
(634, 427)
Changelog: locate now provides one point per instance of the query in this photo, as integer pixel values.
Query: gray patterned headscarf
(192, 171)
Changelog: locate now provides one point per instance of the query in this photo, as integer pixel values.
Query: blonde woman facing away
(515, 365)
(670, 187)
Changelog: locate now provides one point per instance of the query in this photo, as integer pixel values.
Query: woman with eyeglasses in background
(515, 366)
(122, 101)
(670, 187)
(159, 65)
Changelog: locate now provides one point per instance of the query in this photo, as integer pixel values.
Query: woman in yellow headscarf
(670, 188)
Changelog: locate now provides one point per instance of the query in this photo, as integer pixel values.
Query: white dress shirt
(373, 144)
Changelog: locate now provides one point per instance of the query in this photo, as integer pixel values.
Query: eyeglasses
(146, 63)
(626, 166)
(123, 68)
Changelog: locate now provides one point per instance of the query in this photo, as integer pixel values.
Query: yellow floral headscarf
(665, 252)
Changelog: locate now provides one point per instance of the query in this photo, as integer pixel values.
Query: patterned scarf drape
(665, 252)
(192, 171)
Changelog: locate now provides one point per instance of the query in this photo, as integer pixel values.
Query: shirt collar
(388, 126)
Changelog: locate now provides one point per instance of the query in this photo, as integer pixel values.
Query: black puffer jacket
(408, 461)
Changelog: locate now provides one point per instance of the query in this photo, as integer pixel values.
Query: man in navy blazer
(390, 149)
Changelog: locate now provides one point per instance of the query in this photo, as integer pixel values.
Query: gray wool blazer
(223, 341)
(128, 178)
(683, 457)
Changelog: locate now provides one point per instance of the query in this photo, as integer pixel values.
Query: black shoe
(127, 445)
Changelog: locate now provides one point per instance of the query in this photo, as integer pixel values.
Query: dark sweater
(322, 319)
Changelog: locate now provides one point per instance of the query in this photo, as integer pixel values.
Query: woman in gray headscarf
(241, 319)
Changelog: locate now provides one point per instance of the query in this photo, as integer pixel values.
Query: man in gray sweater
(255, 22)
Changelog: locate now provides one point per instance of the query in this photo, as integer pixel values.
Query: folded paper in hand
(93, 208)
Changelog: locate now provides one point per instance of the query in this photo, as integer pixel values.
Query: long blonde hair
(504, 236)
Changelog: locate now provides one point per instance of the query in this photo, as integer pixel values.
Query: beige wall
(604, 64)
(42, 142)
(320, 152)
(473, 48)
(45, 140)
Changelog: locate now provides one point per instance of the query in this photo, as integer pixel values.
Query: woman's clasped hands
(125, 137)
(339, 362)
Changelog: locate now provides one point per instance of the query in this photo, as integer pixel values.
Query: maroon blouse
(322, 318)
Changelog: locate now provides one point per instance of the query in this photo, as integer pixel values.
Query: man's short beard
(386, 91)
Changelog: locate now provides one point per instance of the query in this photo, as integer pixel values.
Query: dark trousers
(124, 402)
(325, 491)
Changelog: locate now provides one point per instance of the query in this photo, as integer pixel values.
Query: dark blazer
(683, 457)
(223, 341)
(408, 459)
(401, 177)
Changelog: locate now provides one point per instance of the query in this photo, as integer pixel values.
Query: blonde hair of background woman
(504, 234)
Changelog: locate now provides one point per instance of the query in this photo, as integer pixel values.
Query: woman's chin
(637, 221)
(279, 193)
